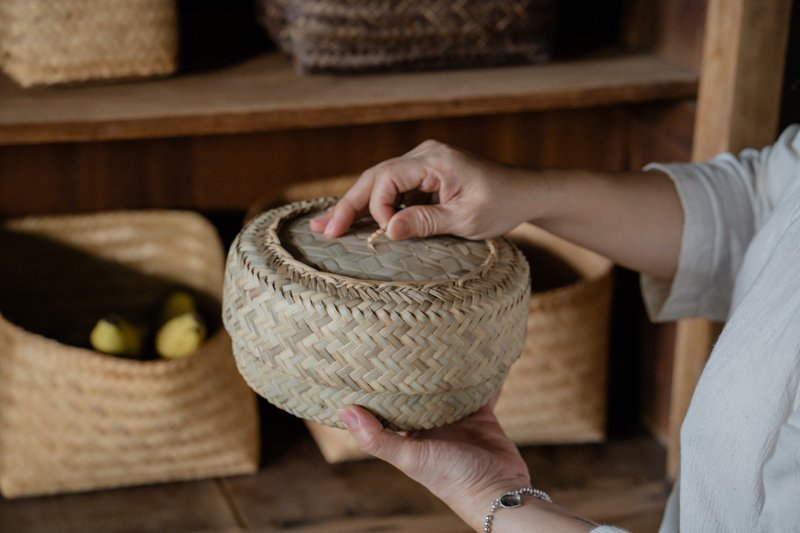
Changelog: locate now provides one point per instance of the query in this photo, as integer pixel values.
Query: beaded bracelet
(510, 500)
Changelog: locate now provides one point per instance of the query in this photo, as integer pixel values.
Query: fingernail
(348, 418)
(398, 229)
(314, 224)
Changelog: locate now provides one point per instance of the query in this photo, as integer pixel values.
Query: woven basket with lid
(420, 332)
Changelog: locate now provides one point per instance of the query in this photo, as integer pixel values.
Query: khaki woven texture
(72, 419)
(556, 391)
(45, 42)
(342, 35)
(419, 354)
(355, 256)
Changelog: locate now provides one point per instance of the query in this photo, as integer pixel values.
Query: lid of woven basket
(365, 253)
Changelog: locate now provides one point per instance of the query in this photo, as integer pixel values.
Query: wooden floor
(620, 482)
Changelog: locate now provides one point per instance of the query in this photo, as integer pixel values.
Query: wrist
(529, 198)
(472, 505)
(512, 500)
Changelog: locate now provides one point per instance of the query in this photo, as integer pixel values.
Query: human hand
(466, 196)
(466, 463)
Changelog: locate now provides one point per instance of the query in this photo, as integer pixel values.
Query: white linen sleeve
(607, 529)
(725, 201)
(781, 480)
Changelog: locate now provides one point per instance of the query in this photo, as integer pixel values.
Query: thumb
(372, 437)
(420, 221)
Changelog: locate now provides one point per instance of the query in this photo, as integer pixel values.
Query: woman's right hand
(466, 196)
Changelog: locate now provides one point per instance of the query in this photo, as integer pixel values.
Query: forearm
(635, 218)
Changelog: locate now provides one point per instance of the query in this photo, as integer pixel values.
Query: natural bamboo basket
(44, 42)
(72, 419)
(421, 332)
(347, 36)
(556, 391)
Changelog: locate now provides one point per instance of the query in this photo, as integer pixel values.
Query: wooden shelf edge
(264, 95)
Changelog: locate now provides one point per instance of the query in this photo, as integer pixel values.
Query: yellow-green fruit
(180, 336)
(177, 303)
(116, 336)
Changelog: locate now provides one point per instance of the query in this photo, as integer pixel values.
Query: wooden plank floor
(620, 482)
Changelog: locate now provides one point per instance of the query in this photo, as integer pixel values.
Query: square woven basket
(72, 419)
(348, 36)
(45, 42)
(556, 391)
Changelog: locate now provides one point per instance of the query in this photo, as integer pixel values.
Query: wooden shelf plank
(264, 94)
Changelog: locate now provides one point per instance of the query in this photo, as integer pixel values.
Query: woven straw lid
(421, 332)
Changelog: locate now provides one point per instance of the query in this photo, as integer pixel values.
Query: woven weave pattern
(49, 42)
(72, 419)
(556, 391)
(418, 260)
(343, 35)
(419, 354)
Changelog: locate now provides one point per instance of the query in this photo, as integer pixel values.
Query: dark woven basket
(363, 35)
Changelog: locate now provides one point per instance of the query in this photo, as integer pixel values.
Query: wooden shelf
(264, 94)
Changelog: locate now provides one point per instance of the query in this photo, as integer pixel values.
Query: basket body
(419, 354)
(72, 419)
(556, 391)
(44, 42)
(348, 36)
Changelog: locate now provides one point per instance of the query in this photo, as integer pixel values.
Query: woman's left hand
(467, 465)
(464, 463)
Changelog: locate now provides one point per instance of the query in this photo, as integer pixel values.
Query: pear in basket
(182, 329)
(113, 335)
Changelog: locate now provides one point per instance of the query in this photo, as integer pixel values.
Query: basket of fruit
(114, 369)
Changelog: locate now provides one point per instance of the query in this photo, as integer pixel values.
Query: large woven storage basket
(347, 36)
(72, 419)
(556, 391)
(45, 42)
(420, 332)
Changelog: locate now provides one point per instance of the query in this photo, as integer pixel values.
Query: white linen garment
(739, 262)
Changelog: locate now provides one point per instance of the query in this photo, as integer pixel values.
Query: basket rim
(80, 355)
(14, 331)
(17, 223)
(261, 251)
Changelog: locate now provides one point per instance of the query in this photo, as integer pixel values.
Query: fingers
(373, 438)
(320, 222)
(392, 180)
(351, 206)
(420, 221)
(378, 191)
